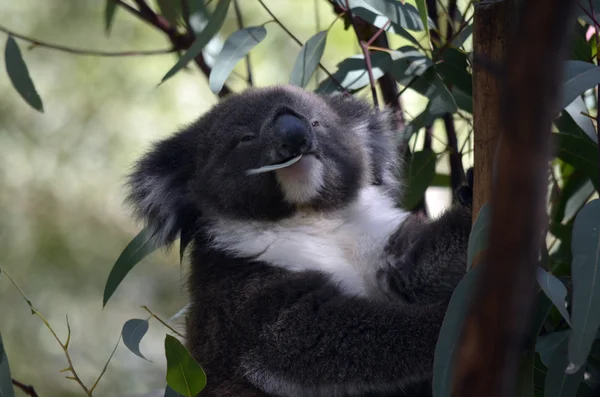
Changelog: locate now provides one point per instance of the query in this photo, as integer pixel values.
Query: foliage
(430, 56)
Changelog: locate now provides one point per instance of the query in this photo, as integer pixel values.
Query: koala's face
(345, 145)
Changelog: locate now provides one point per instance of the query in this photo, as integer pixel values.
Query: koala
(306, 279)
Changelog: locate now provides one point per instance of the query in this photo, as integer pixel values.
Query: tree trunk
(498, 319)
(490, 31)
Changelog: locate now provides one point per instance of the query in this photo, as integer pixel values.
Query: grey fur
(260, 329)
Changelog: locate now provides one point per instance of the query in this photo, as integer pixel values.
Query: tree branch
(78, 51)
(27, 389)
(498, 319)
(180, 41)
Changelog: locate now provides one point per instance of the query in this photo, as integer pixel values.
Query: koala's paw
(401, 255)
(464, 194)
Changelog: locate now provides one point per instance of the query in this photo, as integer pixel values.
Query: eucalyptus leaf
(237, 46)
(546, 345)
(448, 341)
(581, 153)
(169, 392)
(401, 15)
(171, 10)
(142, 245)
(184, 374)
(109, 14)
(578, 77)
(202, 39)
(422, 7)
(19, 75)
(586, 284)
(6, 387)
(452, 66)
(555, 290)
(575, 110)
(478, 239)
(419, 173)
(133, 332)
(308, 59)
(461, 37)
(352, 73)
(558, 382)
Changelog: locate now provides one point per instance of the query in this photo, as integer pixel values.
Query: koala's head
(202, 171)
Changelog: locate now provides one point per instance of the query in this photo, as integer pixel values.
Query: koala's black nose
(295, 136)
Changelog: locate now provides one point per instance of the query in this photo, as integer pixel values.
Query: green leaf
(581, 153)
(171, 10)
(210, 30)
(478, 239)
(422, 7)
(585, 269)
(352, 73)
(19, 75)
(199, 15)
(558, 382)
(142, 245)
(578, 77)
(308, 59)
(171, 393)
(184, 374)
(440, 100)
(448, 341)
(408, 63)
(419, 173)
(464, 34)
(547, 345)
(109, 14)
(377, 12)
(133, 332)
(574, 109)
(237, 46)
(6, 387)
(452, 66)
(555, 290)
(441, 180)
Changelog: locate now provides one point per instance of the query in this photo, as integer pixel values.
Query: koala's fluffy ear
(380, 133)
(159, 187)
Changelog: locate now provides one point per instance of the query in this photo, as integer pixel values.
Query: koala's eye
(315, 123)
(247, 137)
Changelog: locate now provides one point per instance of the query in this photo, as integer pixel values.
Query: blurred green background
(62, 218)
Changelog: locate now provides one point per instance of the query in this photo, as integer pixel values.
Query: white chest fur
(347, 244)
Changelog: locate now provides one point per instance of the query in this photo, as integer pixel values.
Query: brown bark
(498, 319)
(489, 43)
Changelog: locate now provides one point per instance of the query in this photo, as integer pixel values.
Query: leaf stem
(161, 321)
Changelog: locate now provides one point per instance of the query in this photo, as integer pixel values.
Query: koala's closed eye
(248, 137)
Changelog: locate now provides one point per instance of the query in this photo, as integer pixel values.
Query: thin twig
(365, 50)
(180, 41)
(162, 322)
(27, 389)
(70, 368)
(293, 37)
(80, 51)
(240, 22)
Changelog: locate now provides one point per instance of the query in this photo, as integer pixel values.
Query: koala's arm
(326, 344)
(427, 259)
